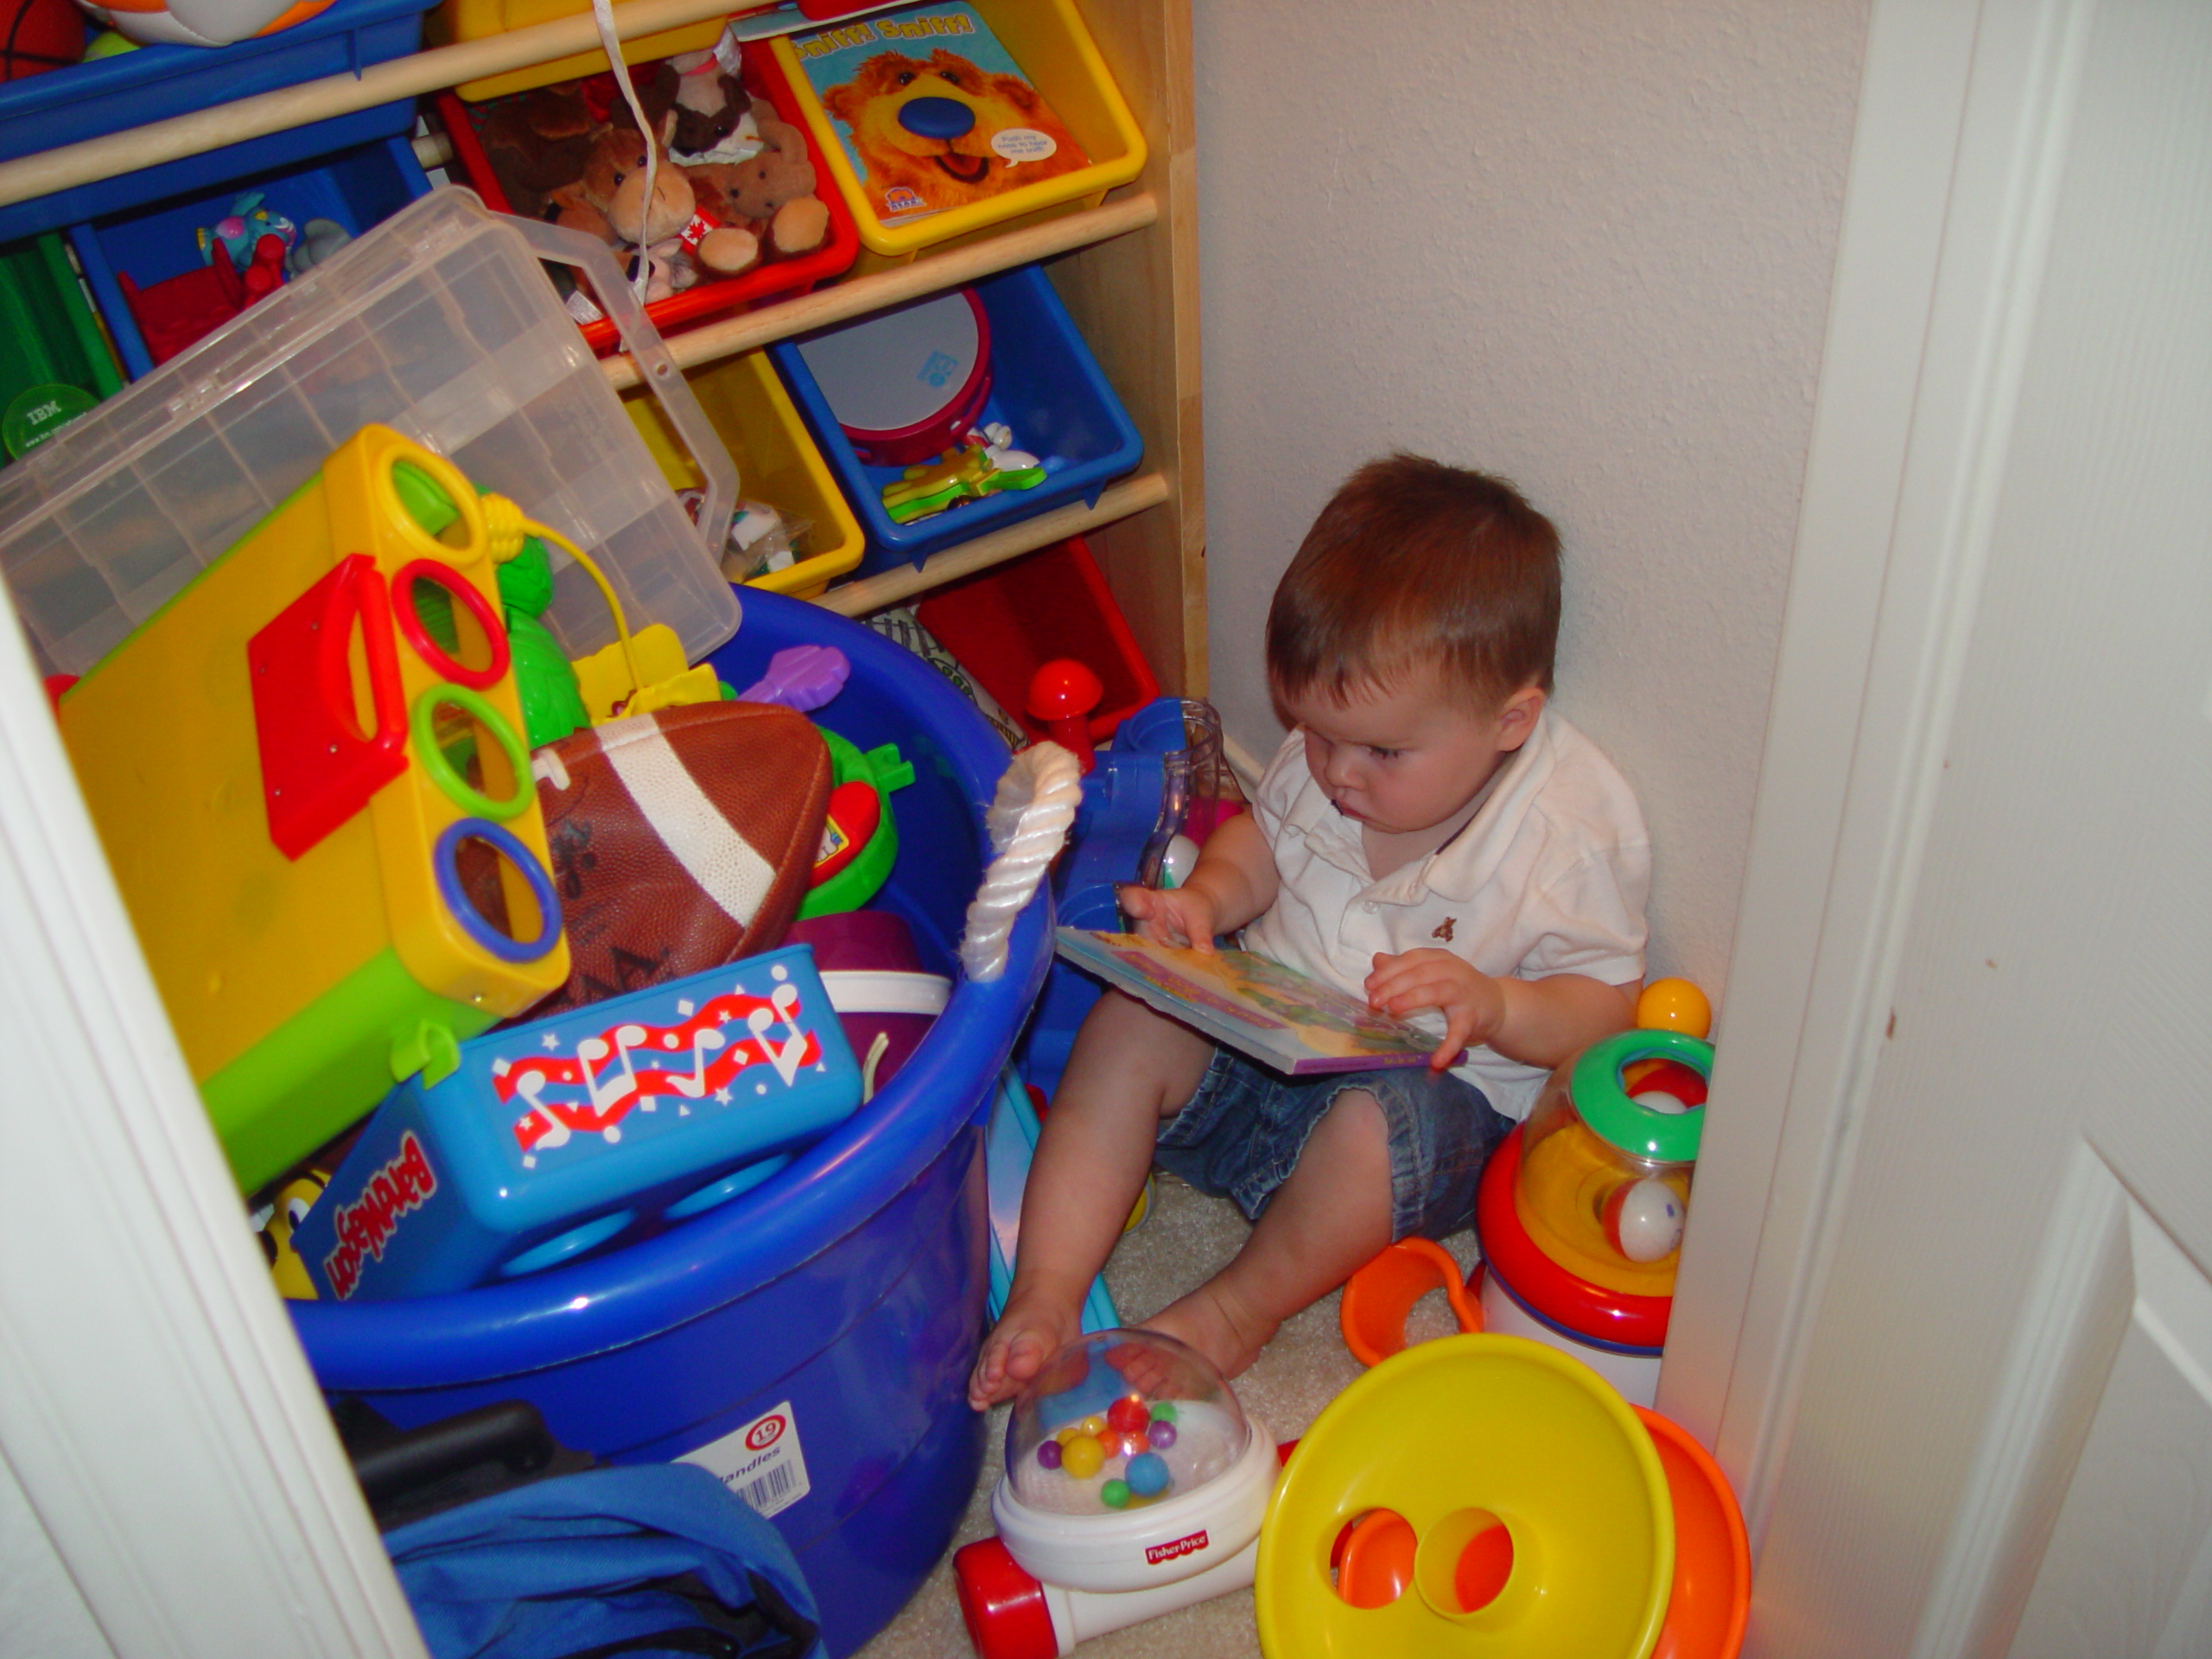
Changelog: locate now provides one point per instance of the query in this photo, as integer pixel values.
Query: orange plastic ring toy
(1711, 1600)
(1376, 1298)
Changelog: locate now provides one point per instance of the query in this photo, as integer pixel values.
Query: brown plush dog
(908, 172)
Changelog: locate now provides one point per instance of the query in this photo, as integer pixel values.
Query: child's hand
(1472, 1003)
(1171, 915)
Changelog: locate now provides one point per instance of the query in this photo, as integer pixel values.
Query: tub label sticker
(760, 1461)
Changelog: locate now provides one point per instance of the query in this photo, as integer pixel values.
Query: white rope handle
(1028, 823)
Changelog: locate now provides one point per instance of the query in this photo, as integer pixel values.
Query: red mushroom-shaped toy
(1062, 694)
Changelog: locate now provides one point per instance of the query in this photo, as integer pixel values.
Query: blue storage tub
(840, 1304)
(358, 188)
(153, 83)
(1046, 385)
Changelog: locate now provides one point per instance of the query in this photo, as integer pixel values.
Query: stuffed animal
(939, 132)
(536, 143)
(679, 241)
(709, 104)
(573, 153)
(238, 234)
(777, 186)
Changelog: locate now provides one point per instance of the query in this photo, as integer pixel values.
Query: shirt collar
(1459, 869)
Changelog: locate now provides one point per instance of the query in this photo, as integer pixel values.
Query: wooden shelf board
(858, 296)
(1116, 501)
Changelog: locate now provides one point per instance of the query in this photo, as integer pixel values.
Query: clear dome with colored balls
(1118, 1420)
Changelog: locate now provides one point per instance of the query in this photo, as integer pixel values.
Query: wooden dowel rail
(889, 586)
(860, 294)
(342, 94)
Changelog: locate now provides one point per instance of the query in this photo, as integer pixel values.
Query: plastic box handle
(655, 368)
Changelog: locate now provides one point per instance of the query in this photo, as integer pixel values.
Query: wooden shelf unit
(1128, 271)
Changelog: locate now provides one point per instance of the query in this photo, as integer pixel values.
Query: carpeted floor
(1186, 1239)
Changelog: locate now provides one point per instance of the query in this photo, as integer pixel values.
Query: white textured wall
(1586, 244)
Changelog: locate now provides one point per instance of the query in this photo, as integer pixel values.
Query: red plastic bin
(1005, 623)
(783, 279)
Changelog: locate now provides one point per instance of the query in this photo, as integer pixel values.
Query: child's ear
(1517, 717)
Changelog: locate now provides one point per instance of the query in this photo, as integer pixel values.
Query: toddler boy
(1430, 836)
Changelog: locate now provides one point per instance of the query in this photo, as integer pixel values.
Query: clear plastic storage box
(441, 323)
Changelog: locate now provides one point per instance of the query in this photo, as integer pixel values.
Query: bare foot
(1208, 1321)
(1036, 1326)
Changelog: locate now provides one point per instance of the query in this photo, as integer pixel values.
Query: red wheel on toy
(1003, 1606)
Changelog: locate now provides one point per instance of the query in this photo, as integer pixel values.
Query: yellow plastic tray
(776, 462)
(456, 21)
(1048, 39)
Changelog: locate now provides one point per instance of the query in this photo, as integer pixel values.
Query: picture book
(1281, 1018)
(932, 110)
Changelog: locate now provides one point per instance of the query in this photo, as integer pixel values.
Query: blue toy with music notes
(556, 1137)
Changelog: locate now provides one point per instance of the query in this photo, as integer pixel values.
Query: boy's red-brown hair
(1415, 566)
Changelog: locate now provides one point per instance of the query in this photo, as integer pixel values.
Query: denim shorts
(1240, 1133)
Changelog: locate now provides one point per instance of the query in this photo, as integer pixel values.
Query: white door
(1991, 1432)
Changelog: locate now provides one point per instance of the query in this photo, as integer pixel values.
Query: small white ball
(1644, 1219)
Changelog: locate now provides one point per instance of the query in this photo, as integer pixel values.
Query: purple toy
(800, 677)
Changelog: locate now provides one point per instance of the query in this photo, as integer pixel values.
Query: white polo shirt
(1548, 877)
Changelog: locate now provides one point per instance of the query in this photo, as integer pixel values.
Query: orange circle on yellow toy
(1674, 1005)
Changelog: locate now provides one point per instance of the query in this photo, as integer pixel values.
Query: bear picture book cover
(933, 112)
(1279, 1016)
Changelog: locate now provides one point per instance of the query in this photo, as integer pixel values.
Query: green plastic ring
(1637, 1131)
(457, 789)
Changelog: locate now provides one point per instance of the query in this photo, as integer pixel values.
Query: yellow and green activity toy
(969, 472)
(309, 775)
(1474, 1498)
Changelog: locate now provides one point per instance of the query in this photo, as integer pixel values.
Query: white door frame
(154, 1406)
(1961, 127)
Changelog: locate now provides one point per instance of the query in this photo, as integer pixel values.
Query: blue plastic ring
(445, 861)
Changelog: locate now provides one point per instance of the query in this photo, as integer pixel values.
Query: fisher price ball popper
(307, 772)
(1134, 1484)
(1581, 1210)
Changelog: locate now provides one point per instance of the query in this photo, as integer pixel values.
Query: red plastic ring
(1564, 1298)
(418, 637)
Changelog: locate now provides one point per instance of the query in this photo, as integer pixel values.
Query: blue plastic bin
(1046, 385)
(850, 1286)
(356, 187)
(155, 82)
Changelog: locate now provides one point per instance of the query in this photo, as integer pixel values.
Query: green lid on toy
(1639, 1130)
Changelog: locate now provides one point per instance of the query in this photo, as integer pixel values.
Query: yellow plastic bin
(1048, 40)
(776, 462)
(456, 21)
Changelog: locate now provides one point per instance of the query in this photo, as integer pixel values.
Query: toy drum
(905, 386)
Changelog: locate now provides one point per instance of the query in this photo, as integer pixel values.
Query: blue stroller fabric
(643, 1560)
